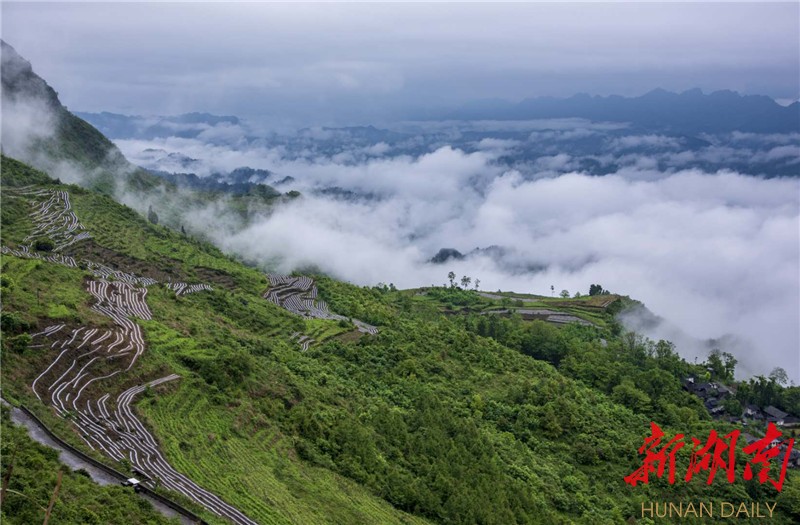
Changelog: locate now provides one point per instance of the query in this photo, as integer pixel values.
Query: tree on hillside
(452, 277)
(760, 391)
(722, 365)
(627, 394)
(779, 375)
(552, 289)
(733, 407)
(44, 245)
(465, 282)
(597, 289)
(564, 294)
(730, 365)
(151, 215)
(477, 284)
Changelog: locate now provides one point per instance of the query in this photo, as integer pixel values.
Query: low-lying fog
(715, 253)
(683, 224)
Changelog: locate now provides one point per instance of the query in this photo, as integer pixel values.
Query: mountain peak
(694, 92)
(20, 81)
(658, 93)
(13, 61)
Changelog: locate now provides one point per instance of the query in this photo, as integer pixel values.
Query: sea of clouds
(715, 254)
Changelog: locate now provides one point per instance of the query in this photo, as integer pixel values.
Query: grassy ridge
(40, 290)
(124, 231)
(218, 425)
(335, 399)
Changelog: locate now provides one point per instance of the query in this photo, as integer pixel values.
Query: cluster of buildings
(714, 396)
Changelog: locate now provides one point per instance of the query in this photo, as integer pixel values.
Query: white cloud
(712, 253)
(781, 152)
(25, 121)
(649, 141)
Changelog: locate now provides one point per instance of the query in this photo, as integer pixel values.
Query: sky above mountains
(303, 64)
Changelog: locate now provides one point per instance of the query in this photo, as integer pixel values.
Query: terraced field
(274, 485)
(298, 295)
(54, 218)
(87, 365)
(79, 383)
(550, 316)
(183, 288)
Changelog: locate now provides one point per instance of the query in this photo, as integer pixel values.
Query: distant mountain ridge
(688, 112)
(237, 182)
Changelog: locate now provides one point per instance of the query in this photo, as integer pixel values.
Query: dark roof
(774, 412)
(756, 412)
(749, 438)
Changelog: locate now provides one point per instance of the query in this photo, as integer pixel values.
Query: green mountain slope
(33, 478)
(440, 417)
(40, 131)
(39, 293)
(70, 139)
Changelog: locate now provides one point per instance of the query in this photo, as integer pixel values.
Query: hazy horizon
(315, 64)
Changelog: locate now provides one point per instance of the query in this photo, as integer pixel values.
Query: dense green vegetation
(643, 375)
(122, 230)
(32, 469)
(765, 391)
(451, 414)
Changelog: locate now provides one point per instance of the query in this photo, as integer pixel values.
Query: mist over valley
(695, 226)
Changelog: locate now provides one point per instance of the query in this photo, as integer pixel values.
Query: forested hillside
(277, 399)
